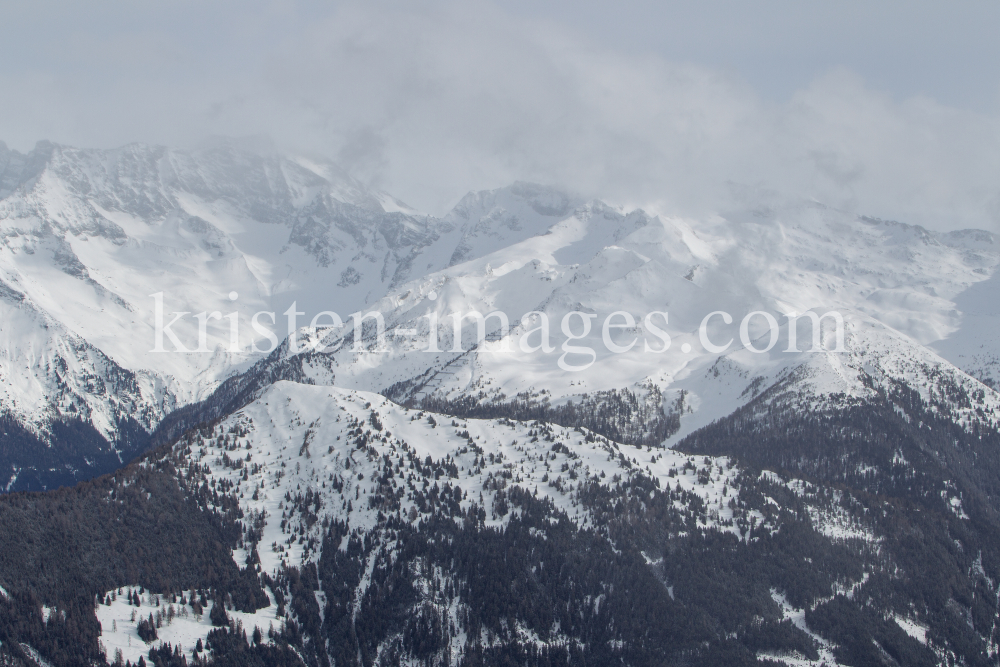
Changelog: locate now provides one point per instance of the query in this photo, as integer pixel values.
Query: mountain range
(766, 436)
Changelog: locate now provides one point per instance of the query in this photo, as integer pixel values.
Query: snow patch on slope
(338, 444)
(183, 628)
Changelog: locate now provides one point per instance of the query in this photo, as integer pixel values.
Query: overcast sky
(887, 108)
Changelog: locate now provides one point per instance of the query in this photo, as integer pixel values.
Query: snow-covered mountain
(350, 530)
(302, 458)
(91, 236)
(896, 288)
(681, 483)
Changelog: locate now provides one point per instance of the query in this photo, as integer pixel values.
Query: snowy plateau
(354, 498)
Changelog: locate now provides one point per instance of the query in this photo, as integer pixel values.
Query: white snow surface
(87, 236)
(893, 284)
(120, 620)
(798, 619)
(302, 437)
(830, 519)
(297, 438)
(912, 628)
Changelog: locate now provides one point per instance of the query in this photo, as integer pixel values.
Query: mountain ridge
(776, 443)
(110, 228)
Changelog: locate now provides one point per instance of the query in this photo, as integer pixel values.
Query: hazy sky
(888, 108)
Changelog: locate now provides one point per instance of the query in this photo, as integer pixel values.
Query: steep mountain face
(771, 436)
(333, 527)
(894, 287)
(91, 237)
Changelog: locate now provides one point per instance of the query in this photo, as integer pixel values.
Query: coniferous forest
(653, 580)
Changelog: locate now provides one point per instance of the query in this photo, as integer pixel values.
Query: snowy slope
(181, 625)
(301, 459)
(337, 444)
(90, 235)
(896, 287)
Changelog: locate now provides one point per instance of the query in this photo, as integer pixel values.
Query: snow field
(299, 438)
(184, 628)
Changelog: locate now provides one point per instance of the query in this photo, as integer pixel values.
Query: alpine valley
(766, 436)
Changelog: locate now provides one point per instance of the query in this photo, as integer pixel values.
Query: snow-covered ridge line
(301, 457)
(302, 460)
(87, 236)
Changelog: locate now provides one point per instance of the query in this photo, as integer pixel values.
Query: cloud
(431, 100)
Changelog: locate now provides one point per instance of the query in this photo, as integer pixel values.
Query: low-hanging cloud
(431, 101)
